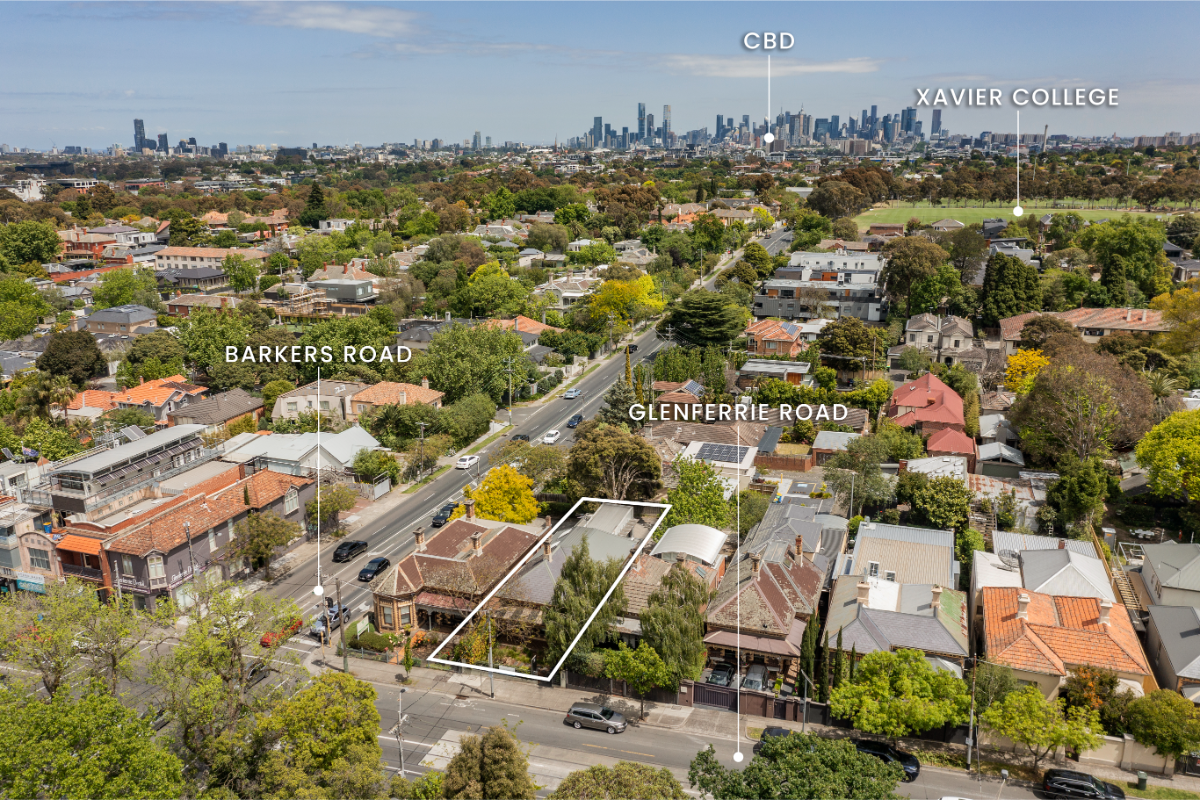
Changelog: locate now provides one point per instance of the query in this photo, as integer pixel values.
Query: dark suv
(1067, 783)
(443, 514)
(890, 755)
(346, 551)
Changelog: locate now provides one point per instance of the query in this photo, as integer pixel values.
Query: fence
(366, 655)
(789, 463)
(617, 688)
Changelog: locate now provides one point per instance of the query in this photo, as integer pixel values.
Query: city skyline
(487, 65)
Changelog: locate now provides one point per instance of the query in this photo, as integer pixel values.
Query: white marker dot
(738, 755)
(1018, 211)
(768, 138)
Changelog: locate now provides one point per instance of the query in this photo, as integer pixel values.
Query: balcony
(82, 572)
(9, 542)
(113, 491)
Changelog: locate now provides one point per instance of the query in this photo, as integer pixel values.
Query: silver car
(590, 715)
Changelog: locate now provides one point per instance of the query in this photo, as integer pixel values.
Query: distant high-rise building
(746, 121)
(936, 125)
(139, 135)
(192, 141)
(666, 121)
(821, 128)
(835, 126)
(641, 121)
(720, 126)
(476, 141)
(874, 114)
(224, 148)
(597, 130)
(488, 143)
(863, 122)
(908, 120)
(162, 143)
(314, 147)
(624, 136)
(650, 126)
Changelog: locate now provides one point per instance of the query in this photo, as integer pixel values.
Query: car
(574, 421)
(571, 394)
(756, 678)
(466, 462)
(520, 437)
(257, 674)
(551, 437)
(349, 550)
(443, 514)
(890, 755)
(770, 733)
(721, 675)
(232, 625)
(271, 637)
(591, 715)
(373, 568)
(1069, 783)
(333, 616)
(156, 717)
(632, 348)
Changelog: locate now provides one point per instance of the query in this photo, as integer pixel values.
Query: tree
(29, 241)
(968, 250)
(1025, 716)
(272, 390)
(1079, 492)
(901, 442)
(617, 401)
(242, 274)
(548, 238)
(1166, 721)
(370, 465)
(540, 464)
(673, 623)
(207, 332)
(836, 199)
(849, 338)
(73, 354)
(504, 495)
(1181, 313)
(258, 537)
(846, 230)
(943, 503)
(703, 318)
(50, 441)
(1036, 331)
(491, 766)
(993, 682)
(1170, 453)
(749, 507)
(463, 360)
(699, 496)
(314, 207)
(334, 499)
(641, 670)
(1010, 287)
(909, 260)
(609, 462)
(622, 780)
(855, 475)
(82, 746)
(466, 420)
(757, 256)
(966, 542)
(490, 292)
(1129, 249)
(580, 587)
(1023, 367)
(127, 286)
(150, 357)
(278, 263)
(187, 231)
(500, 204)
(898, 693)
(36, 396)
(800, 766)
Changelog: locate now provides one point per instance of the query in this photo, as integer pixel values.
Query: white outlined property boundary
(666, 507)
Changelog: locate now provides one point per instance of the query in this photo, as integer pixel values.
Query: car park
(591, 715)
(721, 675)
(770, 733)
(373, 568)
(571, 394)
(890, 755)
(443, 515)
(346, 551)
(1069, 783)
(271, 637)
(574, 421)
(551, 437)
(756, 678)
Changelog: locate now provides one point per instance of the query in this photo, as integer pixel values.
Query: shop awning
(79, 544)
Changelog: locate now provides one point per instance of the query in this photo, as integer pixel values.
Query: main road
(390, 535)
(775, 242)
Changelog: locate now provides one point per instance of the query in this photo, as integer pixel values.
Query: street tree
(642, 670)
(44, 632)
(943, 503)
(855, 476)
(698, 498)
(673, 623)
(757, 256)
(504, 495)
(898, 693)
(619, 398)
(29, 242)
(73, 354)
(1026, 717)
(703, 318)
(607, 461)
(331, 500)
(1166, 721)
(992, 683)
(492, 766)
(258, 537)
(909, 260)
(580, 587)
(623, 780)
(541, 465)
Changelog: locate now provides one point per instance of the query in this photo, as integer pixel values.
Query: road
(391, 534)
(775, 242)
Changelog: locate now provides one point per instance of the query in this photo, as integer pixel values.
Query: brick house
(927, 405)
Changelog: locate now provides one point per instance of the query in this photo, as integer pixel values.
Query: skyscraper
(666, 121)
(874, 114)
(936, 125)
(641, 121)
(598, 131)
(908, 120)
(720, 126)
(477, 142)
(650, 126)
(835, 126)
(162, 143)
(746, 121)
(139, 136)
(864, 122)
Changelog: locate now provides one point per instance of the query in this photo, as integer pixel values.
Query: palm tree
(80, 428)
(1164, 387)
(36, 396)
(62, 392)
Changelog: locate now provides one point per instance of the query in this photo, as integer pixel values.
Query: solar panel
(729, 453)
(133, 433)
(693, 388)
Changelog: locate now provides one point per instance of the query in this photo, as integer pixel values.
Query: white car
(466, 462)
(551, 437)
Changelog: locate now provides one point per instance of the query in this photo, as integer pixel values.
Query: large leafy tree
(1025, 716)
(152, 356)
(463, 360)
(339, 333)
(699, 496)
(898, 693)
(259, 537)
(242, 274)
(73, 354)
(835, 199)
(21, 308)
(1010, 287)
(855, 474)
(703, 318)
(490, 292)
(207, 332)
(541, 465)
(580, 587)
(617, 401)
(504, 495)
(622, 780)
(1166, 721)
(1131, 248)
(910, 259)
(943, 503)
(492, 766)
(1078, 494)
(968, 250)
(848, 340)
(123, 286)
(29, 241)
(1170, 453)
(607, 461)
(642, 670)
(673, 623)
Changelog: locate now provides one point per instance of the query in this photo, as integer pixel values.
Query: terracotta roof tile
(948, 440)
(390, 393)
(929, 399)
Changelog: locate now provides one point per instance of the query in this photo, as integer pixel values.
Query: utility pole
(117, 572)
(421, 425)
(491, 675)
(187, 531)
(508, 367)
(337, 587)
(400, 727)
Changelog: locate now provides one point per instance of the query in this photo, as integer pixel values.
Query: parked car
(571, 394)
(574, 421)
(756, 678)
(347, 551)
(551, 437)
(157, 717)
(332, 617)
(721, 675)
(590, 715)
(257, 674)
(890, 755)
(373, 568)
(1068, 783)
(520, 437)
(466, 462)
(771, 733)
(443, 514)
(271, 637)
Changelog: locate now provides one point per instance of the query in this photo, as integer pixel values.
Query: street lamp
(400, 727)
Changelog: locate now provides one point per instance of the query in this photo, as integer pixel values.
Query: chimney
(477, 544)
(902, 466)
(543, 316)
(1062, 544)
(547, 550)
(935, 599)
(547, 524)
(470, 506)
(141, 380)
(424, 383)
(403, 398)
(1105, 611)
(864, 593)
(1022, 606)
(800, 547)
(419, 535)
(755, 564)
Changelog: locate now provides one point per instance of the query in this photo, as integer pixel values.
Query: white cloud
(378, 21)
(756, 66)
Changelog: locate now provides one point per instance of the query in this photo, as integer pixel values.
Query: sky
(295, 73)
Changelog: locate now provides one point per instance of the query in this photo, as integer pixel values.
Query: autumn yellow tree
(505, 495)
(1181, 312)
(626, 300)
(1023, 368)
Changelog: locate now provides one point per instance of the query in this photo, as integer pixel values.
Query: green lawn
(903, 212)
(1152, 792)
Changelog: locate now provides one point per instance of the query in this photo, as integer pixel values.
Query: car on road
(347, 551)
(571, 394)
(373, 568)
(770, 733)
(756, 678)
(156, 716)
(257, 674)
(520, 437)
(591, 715)
(890, 755)
(326, 622)
(721, 675)
(271, 637)
(1069, 783)
(443, 514)
(574, 421)
(632, 348)
(551, 437)
(466, 462)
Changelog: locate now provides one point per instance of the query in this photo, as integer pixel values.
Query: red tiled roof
(926, 399)
(387, 393)
(667, 386)
(157, 392)
(1010, 329)
(1121, 319)
(523, 324)
(92, 398)
(212, 252)
(948, 440)
(681, 397)
(772, 329)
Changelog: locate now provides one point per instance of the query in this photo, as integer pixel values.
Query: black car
(721, 675)
(348, 550)
(373, 568)
(770, 733)
(520, 437)
(257, 674)
(574, 421)
(443, 514)
(890, 755)
(633, 348)
(1068, 783)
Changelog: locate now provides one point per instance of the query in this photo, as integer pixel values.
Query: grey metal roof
(133, 450)
(913, 631)
(1065, 573)
(1007, 540)
(1179, 630)
(700, 541)
(610, 517)
(905, 533)
(833, 440)
(220, 408)
(769, 440)
(768, 367)
(130, 312)
(1177, 565)
(996, 451)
